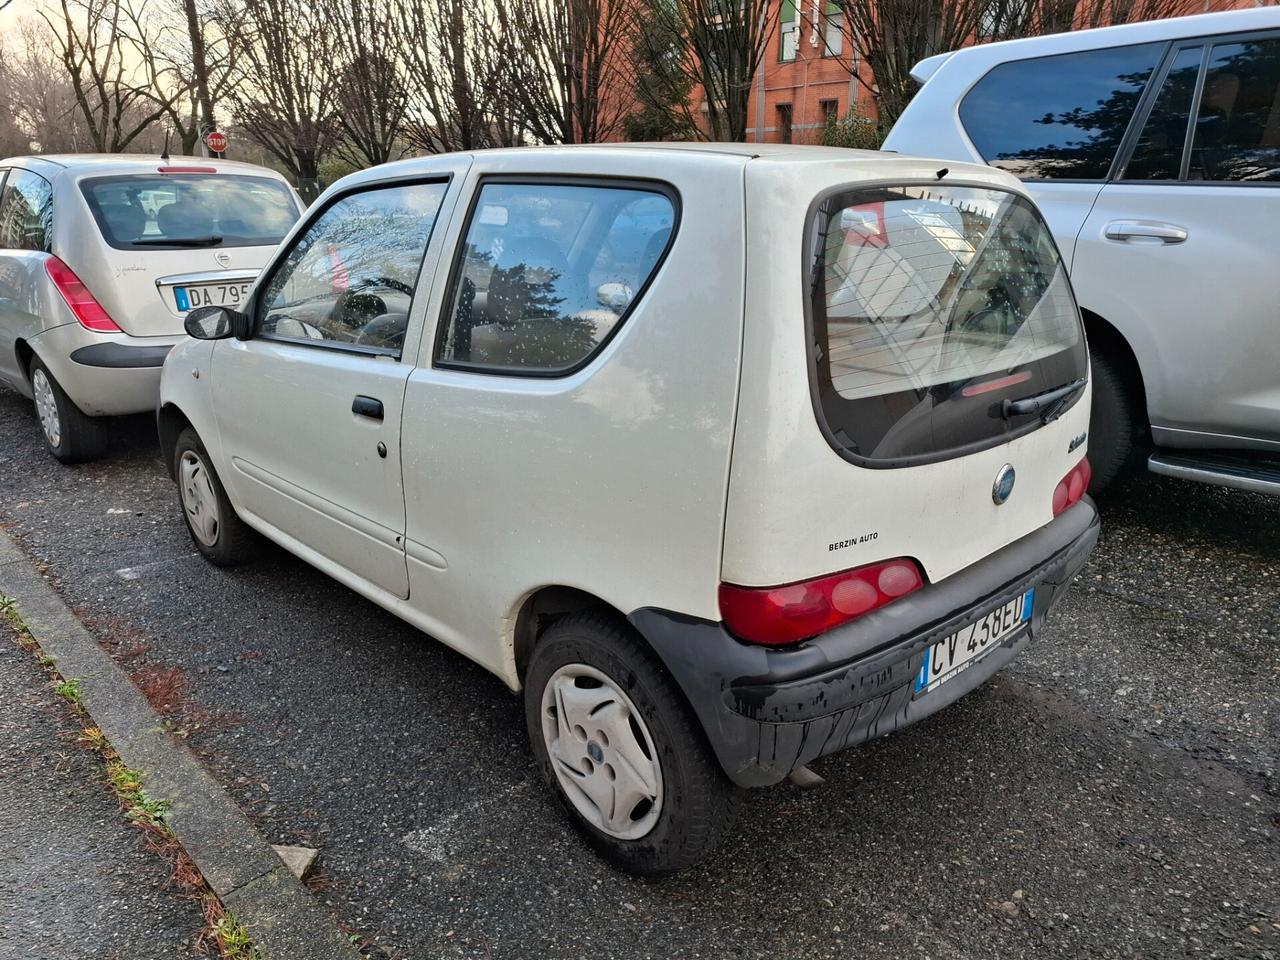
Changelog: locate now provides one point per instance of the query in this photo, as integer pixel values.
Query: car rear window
(930, 306)
(175, 211)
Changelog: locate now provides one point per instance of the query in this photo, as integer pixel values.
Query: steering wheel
(355, 308)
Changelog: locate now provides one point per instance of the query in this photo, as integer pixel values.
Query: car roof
(730, 154)
(126, 163)
(1146, 31)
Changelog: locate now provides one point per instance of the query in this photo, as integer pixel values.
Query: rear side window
(26, 212)
(1237, 131)
(174, 211)
(1158, 152)
(1059, 117)
(549, 271)
(930, 306)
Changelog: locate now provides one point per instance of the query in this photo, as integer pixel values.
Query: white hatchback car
(101, 257)
(1154, 151)
(729, 456)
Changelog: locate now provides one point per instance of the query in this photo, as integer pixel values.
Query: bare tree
(372, 98)
(455, 63)
(572, 66)
(285, 99)
(717, 45)
(116, 76)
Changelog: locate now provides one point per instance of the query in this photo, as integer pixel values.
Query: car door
(1179, 250)
(309, 407)
(26, 233)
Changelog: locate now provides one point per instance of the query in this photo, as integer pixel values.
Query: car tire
(627, 728)
(70, 434)
(1116, 429)
(215, 527)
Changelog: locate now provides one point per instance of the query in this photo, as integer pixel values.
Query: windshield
(931, 305)
(175, 211)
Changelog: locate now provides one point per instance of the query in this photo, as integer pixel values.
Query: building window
(788, 31)
(830, 110)
(784, 123)
(833, 31)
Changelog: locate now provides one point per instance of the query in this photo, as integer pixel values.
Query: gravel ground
(1114, 793)
(76, 882)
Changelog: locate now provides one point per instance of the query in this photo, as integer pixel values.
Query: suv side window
(1059, 117)
(549, 271)
(1158, 152)
(26, 212)
(1237, 130)
(349, 278)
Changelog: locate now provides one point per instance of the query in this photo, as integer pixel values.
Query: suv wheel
(615, 740)
(215, 527)
(1115, 428)
(71, 436)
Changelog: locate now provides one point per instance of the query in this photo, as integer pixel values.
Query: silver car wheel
(198, 498)
(46, 407)
(602, 752)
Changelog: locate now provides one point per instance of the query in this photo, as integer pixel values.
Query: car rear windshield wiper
(210, 241)
(1048, 404)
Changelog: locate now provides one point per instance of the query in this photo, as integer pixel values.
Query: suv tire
(215, 527)
(71, 435)
(629, 709)
(1115, 428)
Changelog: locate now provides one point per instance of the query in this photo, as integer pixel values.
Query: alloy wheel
(602, 752)
(46, 407)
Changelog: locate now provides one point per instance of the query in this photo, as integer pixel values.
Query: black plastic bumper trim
(120, 356)
(768, 711)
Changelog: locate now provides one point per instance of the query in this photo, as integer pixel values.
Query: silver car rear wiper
(1048, 404)
(210, 241)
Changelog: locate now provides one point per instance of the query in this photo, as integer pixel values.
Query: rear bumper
(767, 712)
(105, 374)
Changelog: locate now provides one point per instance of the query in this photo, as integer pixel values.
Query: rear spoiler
(927, 67)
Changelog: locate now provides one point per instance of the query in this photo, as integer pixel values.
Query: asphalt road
(1116, 792)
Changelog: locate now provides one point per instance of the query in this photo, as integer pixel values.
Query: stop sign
(216, 141)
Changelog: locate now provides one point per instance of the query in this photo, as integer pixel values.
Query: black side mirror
(218, 323)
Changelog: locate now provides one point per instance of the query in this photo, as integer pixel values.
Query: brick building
(806, 75)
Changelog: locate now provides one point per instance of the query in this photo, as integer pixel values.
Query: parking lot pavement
(1114, 793)
(76, 881)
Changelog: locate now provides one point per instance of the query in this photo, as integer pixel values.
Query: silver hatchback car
(101, 257)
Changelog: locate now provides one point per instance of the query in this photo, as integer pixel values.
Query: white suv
(728, 456)
(1154, 151)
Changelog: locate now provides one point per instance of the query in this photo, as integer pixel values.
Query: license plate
(211, 295)
(951, 656)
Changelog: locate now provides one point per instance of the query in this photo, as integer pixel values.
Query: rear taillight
(1072, 487)
(87, 310)
(780, 615)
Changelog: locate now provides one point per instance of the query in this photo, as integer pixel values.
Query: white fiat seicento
(728, 456)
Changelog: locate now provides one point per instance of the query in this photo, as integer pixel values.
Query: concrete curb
(239, 865)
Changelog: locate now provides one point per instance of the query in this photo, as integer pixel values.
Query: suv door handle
(1124, 230)
(367, 407)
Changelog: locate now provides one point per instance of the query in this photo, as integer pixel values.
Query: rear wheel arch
(543, 607)
(25, 355)
(1111, 343)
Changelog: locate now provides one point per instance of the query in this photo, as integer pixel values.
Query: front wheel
(70, 435)
(215, 528)
(617, 743)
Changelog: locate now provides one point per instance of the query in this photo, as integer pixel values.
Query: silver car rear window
(176, 211)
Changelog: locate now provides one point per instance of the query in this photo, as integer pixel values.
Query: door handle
(367, 407)
(1125, 230)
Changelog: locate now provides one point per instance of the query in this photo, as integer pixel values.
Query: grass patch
(227, 933)
(139, 806)
(70, 690)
